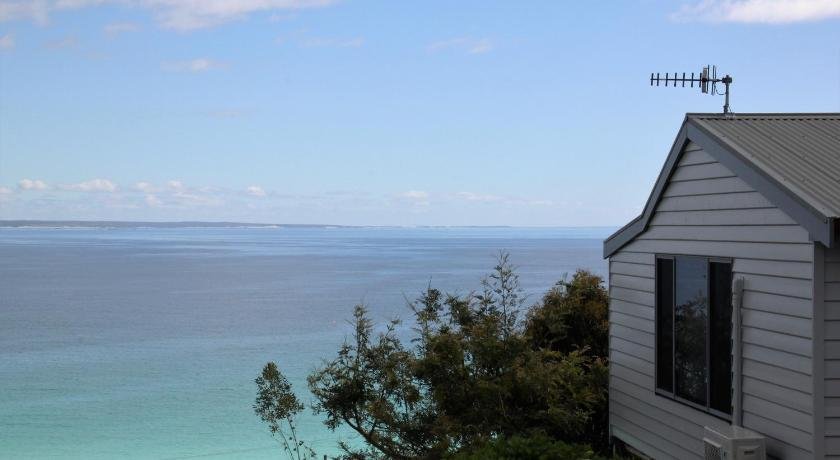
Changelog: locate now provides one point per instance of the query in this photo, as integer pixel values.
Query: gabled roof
(792, 159)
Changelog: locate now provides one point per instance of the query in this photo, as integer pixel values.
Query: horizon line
(6, 223)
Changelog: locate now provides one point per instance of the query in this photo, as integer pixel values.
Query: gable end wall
(707, 210)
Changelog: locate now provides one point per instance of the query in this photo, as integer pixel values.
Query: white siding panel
(633, 309)
(776, 357)
(632, 348)
(751, 234)
(760, 251)
(708, 211)
(632, 269)
(695, 155)
(632, 335)
(800, 327)
(797, 400)
(752, 217)
(714, 202)
(778, 341)
(631, 295)
(707, 187)
(633, 258)
(798, 270)
(633, 322)
(631, 282)
(785, 378)
(702, 171)
(774, 303)
(787, 287)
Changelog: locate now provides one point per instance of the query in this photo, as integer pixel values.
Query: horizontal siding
(757, 251)
(777, 234)
(752, 217)
(831, 297)
(707, 187)
(708, 211)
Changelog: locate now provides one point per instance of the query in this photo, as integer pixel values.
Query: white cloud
(182, 15)
(145, 187)
(175, 185)
(415, 195)
(323, 42)
(499, 199)
(465, 44)
(759, 11)
(35, 11)
(418, 199)
(483, 198)
(152, 201)
(7, 42)
(118, 28)
(5, 190)
(256, 190)
(32, 184)
(93, 185)
(193, 65)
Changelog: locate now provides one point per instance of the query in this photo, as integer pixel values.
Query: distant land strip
(199, 224)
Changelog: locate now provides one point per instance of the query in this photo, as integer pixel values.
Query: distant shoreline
(201, 224)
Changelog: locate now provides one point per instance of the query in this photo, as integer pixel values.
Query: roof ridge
(765, 116)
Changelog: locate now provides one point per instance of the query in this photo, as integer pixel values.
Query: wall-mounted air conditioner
(733, 443)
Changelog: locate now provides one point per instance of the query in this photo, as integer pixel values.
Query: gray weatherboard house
(725, 291)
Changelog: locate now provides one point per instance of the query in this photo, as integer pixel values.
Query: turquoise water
(144, 343)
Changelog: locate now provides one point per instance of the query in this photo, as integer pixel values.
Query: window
(694, 331)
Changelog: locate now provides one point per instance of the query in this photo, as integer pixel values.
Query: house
(725, 291)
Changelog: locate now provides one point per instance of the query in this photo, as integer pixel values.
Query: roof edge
(636, 226)
(820, 227)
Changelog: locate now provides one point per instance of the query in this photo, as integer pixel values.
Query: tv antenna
(707, 82)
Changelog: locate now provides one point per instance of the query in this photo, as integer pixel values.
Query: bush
(538, 447)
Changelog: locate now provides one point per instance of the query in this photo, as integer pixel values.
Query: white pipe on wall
(737, 300)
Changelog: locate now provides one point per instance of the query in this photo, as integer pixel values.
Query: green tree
(277, 406)
(574, 317)
(538, 447)
(473, 373)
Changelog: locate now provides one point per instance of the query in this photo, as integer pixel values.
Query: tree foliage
(277, 406)
(476, 374)
(538, 447)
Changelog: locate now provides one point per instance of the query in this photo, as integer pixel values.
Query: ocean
(145, 342)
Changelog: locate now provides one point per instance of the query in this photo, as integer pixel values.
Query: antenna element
(707, 82)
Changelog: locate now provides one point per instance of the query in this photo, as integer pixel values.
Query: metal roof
(793, 159)
(800, 151)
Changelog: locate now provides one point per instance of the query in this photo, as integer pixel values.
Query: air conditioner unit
(733, 443)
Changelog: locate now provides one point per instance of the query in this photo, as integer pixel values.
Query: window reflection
(690, 318)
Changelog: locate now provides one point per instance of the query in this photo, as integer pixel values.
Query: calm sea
(144, 343)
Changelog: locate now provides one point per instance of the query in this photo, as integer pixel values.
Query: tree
(574, 316)
(277, 405)
(474, 374)
(538, 447)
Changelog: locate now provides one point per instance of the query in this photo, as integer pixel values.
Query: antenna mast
(707, 82)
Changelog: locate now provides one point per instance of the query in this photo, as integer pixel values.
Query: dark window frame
(672, 394)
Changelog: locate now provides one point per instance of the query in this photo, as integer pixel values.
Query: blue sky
(378, 113)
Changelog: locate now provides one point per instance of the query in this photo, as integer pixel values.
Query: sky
(354, 112)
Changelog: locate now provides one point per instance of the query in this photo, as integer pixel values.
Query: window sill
(706, 410)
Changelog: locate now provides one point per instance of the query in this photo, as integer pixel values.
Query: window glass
(665, 324)
(690, 318)
(720, 342)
